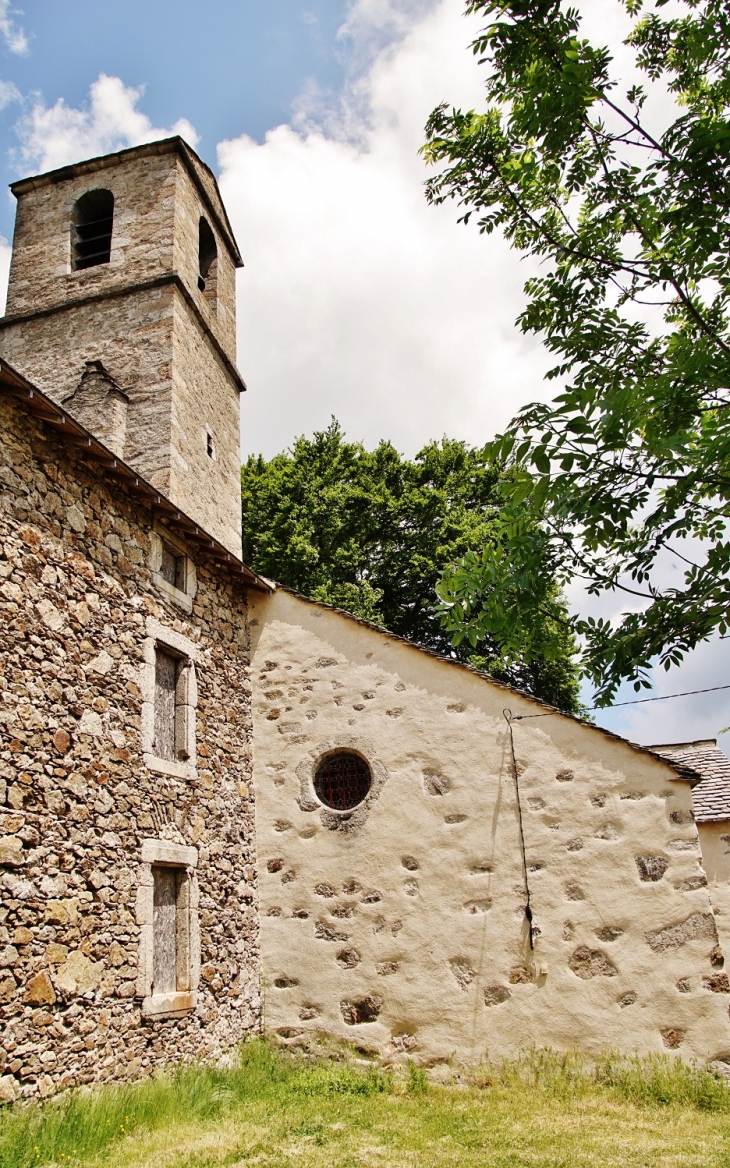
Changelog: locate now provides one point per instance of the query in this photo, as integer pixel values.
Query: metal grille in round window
(342, 780)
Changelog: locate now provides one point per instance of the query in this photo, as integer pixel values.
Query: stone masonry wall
(133, 337)
(150, 340)
(188, 210)
(142, 237)
(156, 213)
(155, 349)
(76, 799)
(715, 845)
(402, 927)
(205, 401)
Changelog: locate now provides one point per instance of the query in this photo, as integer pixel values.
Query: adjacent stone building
(711, 802)
(445, 866)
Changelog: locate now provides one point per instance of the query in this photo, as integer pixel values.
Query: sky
(357, 299)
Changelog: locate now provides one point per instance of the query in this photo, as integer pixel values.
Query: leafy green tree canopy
(371, 532)
(627, 473)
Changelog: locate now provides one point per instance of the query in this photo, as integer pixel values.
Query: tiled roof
(711, 796)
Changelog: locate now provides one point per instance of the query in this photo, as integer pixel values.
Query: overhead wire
(637, 702)
(510, 718)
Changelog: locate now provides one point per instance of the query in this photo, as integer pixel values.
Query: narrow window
(170, 930)
(207, 260)
(173, 568)
(166, 670)
(172, 713)
(210, 448)
(93, 220)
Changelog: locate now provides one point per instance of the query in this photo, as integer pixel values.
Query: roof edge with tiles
(711, 796)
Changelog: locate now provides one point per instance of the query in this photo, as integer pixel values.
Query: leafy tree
(371, 532)
(627, 473)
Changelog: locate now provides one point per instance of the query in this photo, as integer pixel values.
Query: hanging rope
(528, 906)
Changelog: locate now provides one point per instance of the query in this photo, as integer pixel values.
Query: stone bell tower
(121, 307)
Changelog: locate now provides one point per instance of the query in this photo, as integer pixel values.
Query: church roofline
(173, 145)
(693, 744)
(684, 771)
(14, 385)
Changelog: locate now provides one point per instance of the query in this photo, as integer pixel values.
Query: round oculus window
(342, 780)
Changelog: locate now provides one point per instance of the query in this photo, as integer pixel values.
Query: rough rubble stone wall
(76, 800)
(150, 340)
(403, 928)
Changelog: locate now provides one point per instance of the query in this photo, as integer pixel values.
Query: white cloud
(358, 299)
(8, 94)
(15, 39)
(57, 135)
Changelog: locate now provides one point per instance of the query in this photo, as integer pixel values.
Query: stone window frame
(166, 639)
(344, 821)
(183, 598)
(162, 853)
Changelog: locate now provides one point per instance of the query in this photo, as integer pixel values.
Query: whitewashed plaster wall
(404, 930)
(715, 845)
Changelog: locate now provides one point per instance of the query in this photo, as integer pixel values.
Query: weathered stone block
(39, 990)
(587, 963)
(11, 850)
(693, 928)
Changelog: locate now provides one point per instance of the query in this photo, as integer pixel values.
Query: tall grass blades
(272, 1098)
(81, 1124)
(659, 1079)
(417, 1079)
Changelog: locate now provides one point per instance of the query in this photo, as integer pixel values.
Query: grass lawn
(275, 1110)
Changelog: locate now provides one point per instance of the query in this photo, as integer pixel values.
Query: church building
(226, 808)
